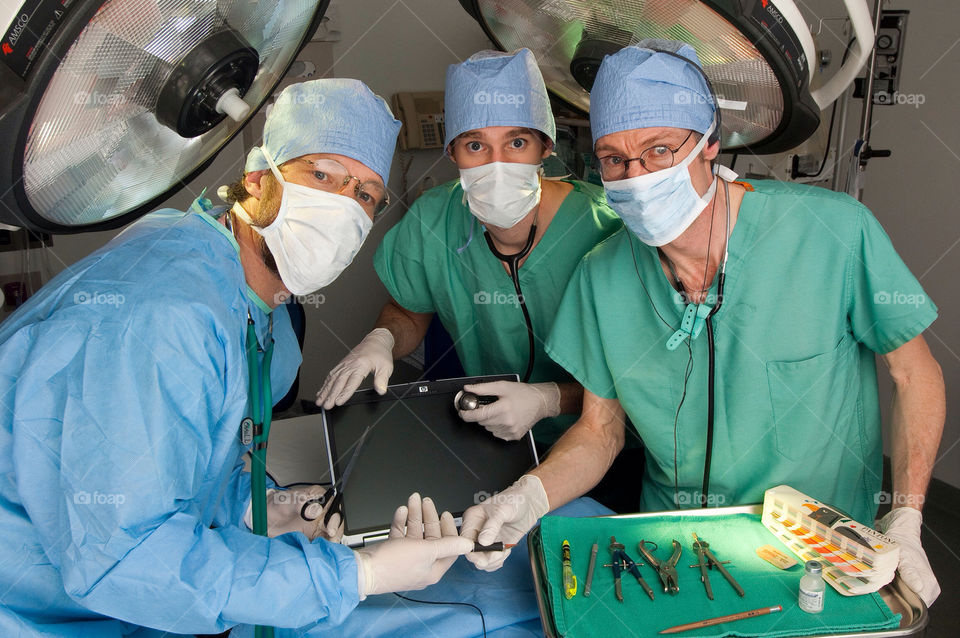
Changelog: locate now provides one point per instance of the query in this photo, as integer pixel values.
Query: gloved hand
(902, 524)
(519, 407)
(506, 516)
(413, 558)
(283, 514)
(373, 354)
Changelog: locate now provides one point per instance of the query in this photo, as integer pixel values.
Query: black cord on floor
(483, 622)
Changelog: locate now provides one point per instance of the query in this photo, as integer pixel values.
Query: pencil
(722, 619)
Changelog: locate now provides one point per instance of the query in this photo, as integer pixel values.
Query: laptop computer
(416, 442)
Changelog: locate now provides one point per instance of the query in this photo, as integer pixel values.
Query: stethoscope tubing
(513, 264)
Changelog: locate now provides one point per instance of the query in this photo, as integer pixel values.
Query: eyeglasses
(333, 177)
(655, 158)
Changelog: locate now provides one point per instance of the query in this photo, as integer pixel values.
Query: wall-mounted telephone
(422, 117)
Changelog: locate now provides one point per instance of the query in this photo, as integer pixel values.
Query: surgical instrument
(620, 561)
(336, 488)
(590, 567)
(707, 560)
(667, 570)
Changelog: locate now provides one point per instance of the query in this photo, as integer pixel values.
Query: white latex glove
(413, 558)
(373, 354)
(519, 407)
(902, 524)
(283, 514)
(506, 516)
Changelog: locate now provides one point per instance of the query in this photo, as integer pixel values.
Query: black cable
(688, 372)
(483, 622)
(733, 160)
(833, 114)
(826, 150)
(721, 277)
(708, 455)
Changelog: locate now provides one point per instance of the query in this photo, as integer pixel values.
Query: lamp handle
(862, 24)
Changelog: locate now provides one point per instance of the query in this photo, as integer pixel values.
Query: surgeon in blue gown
(124, 382)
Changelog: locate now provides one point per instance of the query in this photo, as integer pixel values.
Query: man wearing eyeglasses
(126, 385)
(752, 308)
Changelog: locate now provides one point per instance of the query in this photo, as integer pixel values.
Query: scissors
(335, 490)
(667, 570)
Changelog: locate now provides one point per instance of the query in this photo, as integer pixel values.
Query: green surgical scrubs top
(813, 289)
(436, 260)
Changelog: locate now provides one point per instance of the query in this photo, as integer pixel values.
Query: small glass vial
(812, 588)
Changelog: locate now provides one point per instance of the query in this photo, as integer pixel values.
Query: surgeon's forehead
(644, 137)
(496, 131)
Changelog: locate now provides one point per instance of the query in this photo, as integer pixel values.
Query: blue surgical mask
(659, 206)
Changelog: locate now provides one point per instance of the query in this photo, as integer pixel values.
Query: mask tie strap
(272, 165)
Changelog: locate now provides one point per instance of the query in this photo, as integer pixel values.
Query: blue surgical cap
(332, 115)
(496, 89)
(639, 86)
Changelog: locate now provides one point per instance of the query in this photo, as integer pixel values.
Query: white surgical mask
(315, 236)
(659, 206)
(501, 193)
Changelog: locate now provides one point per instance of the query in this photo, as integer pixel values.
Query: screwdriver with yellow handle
(569, 580)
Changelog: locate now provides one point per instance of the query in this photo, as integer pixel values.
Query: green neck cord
(261, 408)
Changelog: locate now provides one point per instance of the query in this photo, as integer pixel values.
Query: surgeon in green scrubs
(812, 290)
(499, 128)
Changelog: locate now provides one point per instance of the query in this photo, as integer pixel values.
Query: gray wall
(407, 47)
(913, 193)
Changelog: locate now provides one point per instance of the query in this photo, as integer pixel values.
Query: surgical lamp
(107, 107)
(757, 54)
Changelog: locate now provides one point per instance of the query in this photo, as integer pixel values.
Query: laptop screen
(417, 443)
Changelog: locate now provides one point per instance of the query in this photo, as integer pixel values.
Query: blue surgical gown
(507, 598)
(124, 381)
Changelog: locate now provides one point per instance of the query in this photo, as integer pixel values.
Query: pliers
(706, 559)
(667, 570)
(619, 562)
